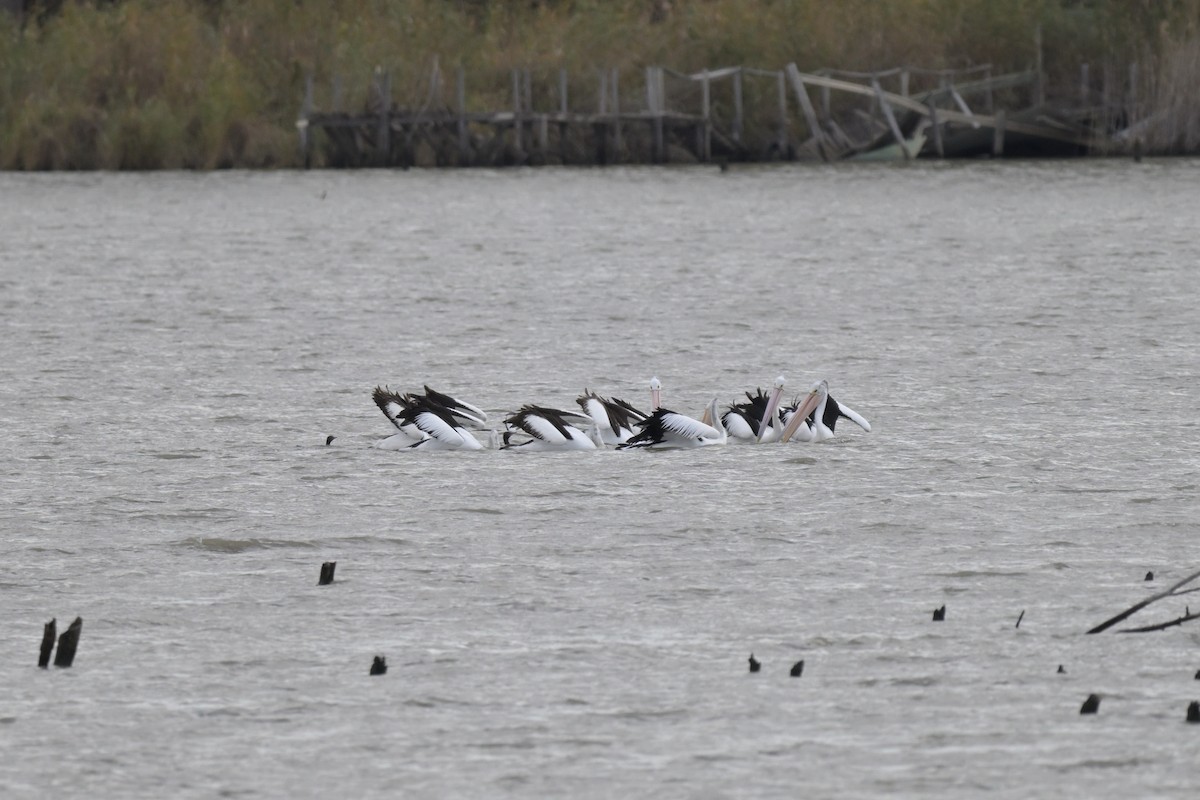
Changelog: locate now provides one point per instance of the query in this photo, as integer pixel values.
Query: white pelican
(393, 405)
(460, 409)
(614, 418)
(756, 420)
(655, 394)
(664, 429)
(816, 417)
(442, 430)
(549, 431)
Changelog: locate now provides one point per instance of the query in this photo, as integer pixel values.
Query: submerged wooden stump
(47, 644)
(327, 573)
(755, 664)
(1091, 705)
(67, 644)
(939, 614)
(379, 666)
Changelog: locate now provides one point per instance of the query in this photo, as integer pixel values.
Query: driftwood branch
(1185, 617)
(1171, 592)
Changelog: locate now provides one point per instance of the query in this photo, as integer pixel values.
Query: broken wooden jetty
(732, 114)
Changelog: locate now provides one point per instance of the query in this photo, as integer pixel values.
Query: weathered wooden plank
(460, 102)
(810, 114)
(737, 107)
(886, 107)
(936, 131)
(616, 103)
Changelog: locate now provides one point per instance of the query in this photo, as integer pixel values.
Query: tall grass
(205, 84)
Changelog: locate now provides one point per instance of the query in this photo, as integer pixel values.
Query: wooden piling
(302, 124)
(998, 134)
(656, 105)
(379, 666)
(737, 106)
(705, 126)
(810, 114)
(327, 573)
(616, 104)
(67, 644)
(939, 614)
(460, 102)
(518, 142)
(1039, 85)
(784, 124)
(383, 144)
(886, 107)
(564, 110)
(48, 634)
(936, 131)
(1091, 705)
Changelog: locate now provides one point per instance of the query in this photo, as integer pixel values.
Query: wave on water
(220, 545)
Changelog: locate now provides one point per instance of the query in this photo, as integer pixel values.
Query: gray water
(1022, 337)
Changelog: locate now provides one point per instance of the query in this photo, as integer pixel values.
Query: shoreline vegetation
(218, 84)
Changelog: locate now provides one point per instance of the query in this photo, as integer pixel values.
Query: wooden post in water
(810, 114)
(67, 644)
(616, 110)
(655, 103)
(705, 129)
(302, 124)
(48, 634)
(327, 570)
(781, 93)
(1131, 107)
(564, 110)
(1083, 85)
(1039, 84)
(998, 134)
(936, 129)
(738, 121)
(383, 145)
(460, 101)
(601, 125)
(886, 107)
(518, 133)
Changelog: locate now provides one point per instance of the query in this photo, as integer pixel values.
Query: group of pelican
(436, 421)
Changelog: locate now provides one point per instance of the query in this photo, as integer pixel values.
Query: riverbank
(178, 84)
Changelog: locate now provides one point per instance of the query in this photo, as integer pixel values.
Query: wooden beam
(998, 134)
(886, 107)
(616, 102)
(737, 107)
(810, 114)
(460, 100)
(936, 129)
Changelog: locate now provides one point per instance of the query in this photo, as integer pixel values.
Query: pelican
(756, 420)
(816, 417)
(393, 405)
(655, 394)
(442, 429)
(664, 429)
(614, 418)
(550, 431)
(460, 409)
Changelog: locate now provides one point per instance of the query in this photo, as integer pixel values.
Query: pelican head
(815, 398)
(772, 406)
(655, 394)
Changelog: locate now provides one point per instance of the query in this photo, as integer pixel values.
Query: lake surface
(1022, 336)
